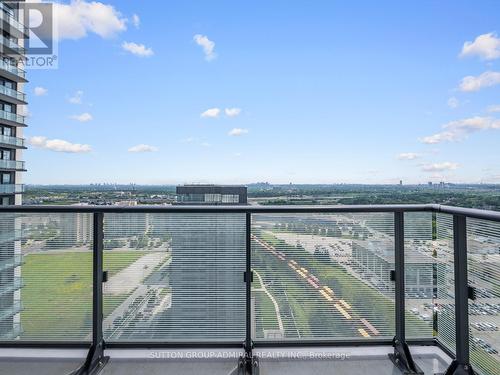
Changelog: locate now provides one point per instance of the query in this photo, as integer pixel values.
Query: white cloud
(494, 108)
(207, 45)
(458, 130)
(143, 148)
(137, 49)
(453, 102)
(408, 156)
(487, 79)
(76, 98)
(236, 132)
(232, 112)
(78, 18)
(40, 91)
(58, 145)
(486, 46)
(211, 113)
(84, 117)
(439, 167)
(136, 21)
(206, 144)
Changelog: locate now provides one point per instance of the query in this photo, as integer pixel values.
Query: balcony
(16, 165)
(13, 96)
(11, 188)
(8, 312)
(10, 47)
(12, 262)
(11, 23)
(12, 72)
(11, 286)
(12, 119)
(12, 141)
(244, 289)
(12, 332)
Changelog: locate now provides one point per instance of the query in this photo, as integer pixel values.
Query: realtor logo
(32, 42)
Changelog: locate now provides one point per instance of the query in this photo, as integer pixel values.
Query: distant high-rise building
(12, 122)
(206, 273)
(211, 194)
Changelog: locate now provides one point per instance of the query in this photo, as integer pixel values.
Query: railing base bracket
(458, 369)
(248, 365)
(94, 363)
(403, 360)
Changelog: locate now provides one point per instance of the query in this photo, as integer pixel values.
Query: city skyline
(239, 93)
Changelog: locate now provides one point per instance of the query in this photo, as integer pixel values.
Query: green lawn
(265, 311)
(57, 296)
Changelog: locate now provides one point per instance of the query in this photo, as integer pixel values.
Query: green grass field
(265, 311)
(57, 296)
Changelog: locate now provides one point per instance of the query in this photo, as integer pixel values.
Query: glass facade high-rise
(206, 273)
(211, 194)
(12, 122)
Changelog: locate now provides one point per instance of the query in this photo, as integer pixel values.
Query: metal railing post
(401, 357)
(461, 364)
(248, 364)
(98, 273)
(96, 360)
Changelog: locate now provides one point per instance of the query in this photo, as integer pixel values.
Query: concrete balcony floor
(367, 360)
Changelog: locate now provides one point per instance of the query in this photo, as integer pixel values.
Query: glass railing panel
(174, 277)
(11, 188)
(55, 276)
(15, 284)
(11, 140)
(11, 164)
(11, 68)
(445, 281)
(12, 117)
(420, 262)
(5, 14)
(12, 45)
(12, 93)
(13, 261)
(8, 311)
(483, 266)
(10, 331)
(322, 276)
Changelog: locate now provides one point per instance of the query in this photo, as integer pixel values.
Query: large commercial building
(376, 260)
(12, 122)
(208, 261)
(211, 194)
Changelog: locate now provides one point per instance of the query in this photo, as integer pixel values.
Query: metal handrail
(222, 208)
(468, 212)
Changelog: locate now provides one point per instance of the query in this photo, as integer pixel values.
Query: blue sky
(328, 92)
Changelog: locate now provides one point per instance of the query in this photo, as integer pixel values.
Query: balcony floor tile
(369, 360)
(38, 366)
